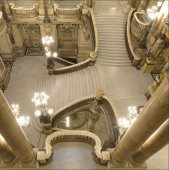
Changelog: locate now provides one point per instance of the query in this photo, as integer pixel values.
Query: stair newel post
(95, 111)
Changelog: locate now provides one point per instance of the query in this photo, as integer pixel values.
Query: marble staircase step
(114, 57)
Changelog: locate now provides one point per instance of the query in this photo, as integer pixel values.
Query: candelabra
(40, 101)
(23, 121)
(47, 41)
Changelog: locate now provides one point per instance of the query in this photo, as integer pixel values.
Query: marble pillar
(85, 7)
(14, 135)
(154, 113)
(155, 143)
(7, 156)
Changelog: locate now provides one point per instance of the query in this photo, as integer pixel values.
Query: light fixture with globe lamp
(44, 114)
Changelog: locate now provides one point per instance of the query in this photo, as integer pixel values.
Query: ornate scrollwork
(85, 28)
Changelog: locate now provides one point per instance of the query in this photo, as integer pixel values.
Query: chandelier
(48, 40)
(22, 121)
(132, 115)
(40, 100)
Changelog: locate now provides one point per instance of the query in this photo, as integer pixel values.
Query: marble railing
(64, 62)
(110, 112)
(68, 13)
(45, 157)
(92, 18)
(71, 68)
(138, 27)
(129, 45)
(23, 12)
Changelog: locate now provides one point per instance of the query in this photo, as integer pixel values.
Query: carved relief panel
(67, 36)
(33, 35)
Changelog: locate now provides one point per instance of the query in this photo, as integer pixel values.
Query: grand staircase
(111, 37)
(66, 88)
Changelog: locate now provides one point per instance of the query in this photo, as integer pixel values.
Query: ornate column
(85, 7)
(95, 111)
(6, 6)
(142, 5)
(14, 135)
(148, 121)
(155, 143)
(7, 156)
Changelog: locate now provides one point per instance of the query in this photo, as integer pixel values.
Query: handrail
(66, 107)
(135, 16)
(72, 68)
(67, 135)
(95, 32)
(23, 12)
(62, 61)
(129, 33)
(111, 113)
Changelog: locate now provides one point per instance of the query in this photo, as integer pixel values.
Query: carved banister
(23, 12)
(110, 111)
(71, 68)
(128, 35)
(93, 54)
(72, 135)
(138, 27)
(62, 61)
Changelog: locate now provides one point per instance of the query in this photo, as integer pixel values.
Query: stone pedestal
(148, 66)
(47, 128)
(155, 143)
(7, 156)
(128, 166)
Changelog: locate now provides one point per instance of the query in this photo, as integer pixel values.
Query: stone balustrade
(109, 109)
(93, 54)
(72, 136)
(23, 12)
(71, 68)
(62, 61)
(138, 27)
(129, 46)
(68, 13)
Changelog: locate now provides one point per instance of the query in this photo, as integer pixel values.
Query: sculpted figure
(156, 48)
